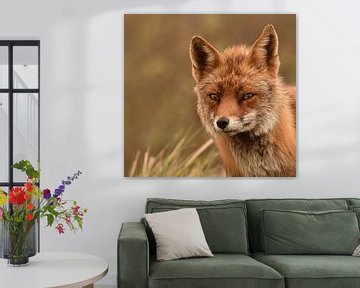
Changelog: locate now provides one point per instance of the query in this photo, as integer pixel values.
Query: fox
(246, 107)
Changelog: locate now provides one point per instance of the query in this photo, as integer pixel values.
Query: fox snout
(233, 125)
(222, 123)
(228, 125)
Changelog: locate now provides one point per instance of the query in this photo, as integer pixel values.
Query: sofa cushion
(354, 205)
(178, 234)
(356, 209)
(222, 270)
(223, 221)
(313, 271)
(353, 201)
(297, 232)
(254, 216)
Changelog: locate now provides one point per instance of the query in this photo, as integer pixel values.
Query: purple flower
(46, 194)
(68, 181)
(58, 192)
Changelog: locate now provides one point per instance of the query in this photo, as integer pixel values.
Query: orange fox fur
(246, 108)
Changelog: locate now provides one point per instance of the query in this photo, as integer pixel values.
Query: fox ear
(264, 52)
(204, 57)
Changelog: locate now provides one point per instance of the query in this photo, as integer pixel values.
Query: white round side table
(50, 270)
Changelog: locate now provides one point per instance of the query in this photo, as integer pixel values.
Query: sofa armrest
(133, 256)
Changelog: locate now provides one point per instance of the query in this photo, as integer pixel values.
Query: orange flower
(27, 196)
(29, 187)
(29, 206)
(29, 217)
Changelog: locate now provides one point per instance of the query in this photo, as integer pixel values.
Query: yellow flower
(3, 198)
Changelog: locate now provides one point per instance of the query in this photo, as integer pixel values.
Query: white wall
(82, 108)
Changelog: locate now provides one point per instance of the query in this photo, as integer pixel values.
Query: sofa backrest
(256, 205)
(353, 202)
(223, 221)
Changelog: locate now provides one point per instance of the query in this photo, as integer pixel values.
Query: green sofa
(234, 230)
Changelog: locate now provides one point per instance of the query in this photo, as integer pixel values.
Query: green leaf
(22, 164)
(28, 168)
(52, 211)
(79, 221)
(50, 219)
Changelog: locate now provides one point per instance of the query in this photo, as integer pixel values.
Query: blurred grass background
(160, 102)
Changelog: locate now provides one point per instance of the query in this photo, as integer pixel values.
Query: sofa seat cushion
(222, 270)
(313, 271)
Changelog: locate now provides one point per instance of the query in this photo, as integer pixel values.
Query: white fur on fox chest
(255, 157)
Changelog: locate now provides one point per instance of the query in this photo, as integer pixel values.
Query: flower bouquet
(21, 208)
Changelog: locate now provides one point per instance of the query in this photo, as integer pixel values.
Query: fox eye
(247, 96)
(214, 97)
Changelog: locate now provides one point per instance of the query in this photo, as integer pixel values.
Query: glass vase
(18, 242)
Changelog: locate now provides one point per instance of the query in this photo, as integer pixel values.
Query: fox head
(237, 89)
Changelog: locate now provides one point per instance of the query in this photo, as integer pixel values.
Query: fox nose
(222, 123)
